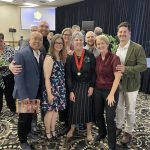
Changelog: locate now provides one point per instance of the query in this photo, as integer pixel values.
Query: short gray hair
(79, 34)
(98, 31)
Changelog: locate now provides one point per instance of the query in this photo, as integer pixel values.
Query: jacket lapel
(33, 59)
(128, 52)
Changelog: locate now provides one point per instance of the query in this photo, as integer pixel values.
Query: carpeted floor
(140, 141)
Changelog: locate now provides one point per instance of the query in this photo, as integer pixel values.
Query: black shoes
(126, 138)
(33, 136)
(98, 138)
(25, 146)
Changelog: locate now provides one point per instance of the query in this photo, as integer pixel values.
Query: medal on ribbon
(79, 63)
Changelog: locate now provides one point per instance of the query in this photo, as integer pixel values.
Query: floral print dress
(6, 57)
(57, 80)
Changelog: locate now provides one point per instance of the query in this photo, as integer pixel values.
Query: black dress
(80, 111)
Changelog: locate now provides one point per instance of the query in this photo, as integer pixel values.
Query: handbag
(24, 106)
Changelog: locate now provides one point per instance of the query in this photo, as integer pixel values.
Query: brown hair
(51, 49)
(124, 24)
(2, 36)
(66, 29)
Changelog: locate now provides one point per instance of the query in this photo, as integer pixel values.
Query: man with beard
(133, 61)
(90, 39)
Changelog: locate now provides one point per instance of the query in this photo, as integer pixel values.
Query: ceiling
(56, 3)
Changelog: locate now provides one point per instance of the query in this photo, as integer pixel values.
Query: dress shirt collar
(36, 53)
(126, 46)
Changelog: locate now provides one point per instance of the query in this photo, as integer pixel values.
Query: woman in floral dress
(55, 94)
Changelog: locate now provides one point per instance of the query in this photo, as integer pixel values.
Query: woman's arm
(93, 75)
(68, 74)
(116, 82)
(48, 66)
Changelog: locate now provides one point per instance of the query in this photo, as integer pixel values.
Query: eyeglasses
(67, 34)
(59, 43)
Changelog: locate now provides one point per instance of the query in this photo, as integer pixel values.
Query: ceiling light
(30, 4)
(51, 0)
(7, 0)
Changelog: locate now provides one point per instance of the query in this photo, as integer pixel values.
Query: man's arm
(15, 69)
(141, 63)
(139, 67)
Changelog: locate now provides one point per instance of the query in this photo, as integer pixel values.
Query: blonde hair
(66, 29)
(104, 38)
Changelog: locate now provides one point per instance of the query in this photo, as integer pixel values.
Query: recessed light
(30, 4)
(51, 0)
(7, 1)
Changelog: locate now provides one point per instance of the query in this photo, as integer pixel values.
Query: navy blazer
(28, 81)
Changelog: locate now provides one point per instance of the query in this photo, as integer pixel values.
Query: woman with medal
(80, 77)
(106, 91)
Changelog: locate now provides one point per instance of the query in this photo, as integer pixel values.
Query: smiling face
(58, 45)
(124, 34)
(44, 28)
(36, 40)
(90, 38)
(101, 45)
(78, 43)
(67, 36)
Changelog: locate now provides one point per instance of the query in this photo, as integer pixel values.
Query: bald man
(43, 28)
(90, 39)
(25, 42)
(28, 82)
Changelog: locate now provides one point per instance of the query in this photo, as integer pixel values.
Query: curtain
(108, 14)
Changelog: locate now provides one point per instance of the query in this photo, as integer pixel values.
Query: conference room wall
(10, 17)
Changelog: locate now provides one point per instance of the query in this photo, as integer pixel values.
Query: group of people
(79, 83)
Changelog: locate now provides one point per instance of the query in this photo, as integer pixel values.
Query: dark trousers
(63, 115)
(100, 103)
(9, 86)
(24, 126)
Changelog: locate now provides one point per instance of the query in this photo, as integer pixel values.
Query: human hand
(90, 91)
(70, 52)
(72, 97)
(120, 68)
(110, 100)
(15, 69)
(26, 100)
(50, 98)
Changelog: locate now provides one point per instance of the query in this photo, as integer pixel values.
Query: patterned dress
(7, 55)
(58, 89)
